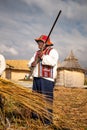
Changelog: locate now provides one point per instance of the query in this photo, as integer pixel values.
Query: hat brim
(37, 40)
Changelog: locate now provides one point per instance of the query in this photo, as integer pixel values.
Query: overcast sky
(21, 21)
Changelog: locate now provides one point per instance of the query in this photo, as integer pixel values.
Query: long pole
(53, 25)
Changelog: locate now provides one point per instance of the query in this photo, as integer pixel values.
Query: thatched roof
(71, 63)
(17, 64)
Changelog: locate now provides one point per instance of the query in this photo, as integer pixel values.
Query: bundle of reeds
(20, 102)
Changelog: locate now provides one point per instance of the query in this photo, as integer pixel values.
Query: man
(45, 62)
(2, 64)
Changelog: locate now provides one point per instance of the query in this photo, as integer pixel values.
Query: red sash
(45, 70)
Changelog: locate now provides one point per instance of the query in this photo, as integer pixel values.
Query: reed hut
(70, 73)
(16, 69)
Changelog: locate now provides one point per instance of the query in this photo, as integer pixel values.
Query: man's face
(40, 44)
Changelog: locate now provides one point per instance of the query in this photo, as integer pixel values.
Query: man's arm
(50, 59)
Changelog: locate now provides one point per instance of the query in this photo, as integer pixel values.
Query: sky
(21, 21)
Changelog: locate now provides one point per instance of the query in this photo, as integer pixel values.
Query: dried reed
(70, 108)
(23, 101)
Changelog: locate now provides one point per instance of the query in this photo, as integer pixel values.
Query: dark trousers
(45, 87)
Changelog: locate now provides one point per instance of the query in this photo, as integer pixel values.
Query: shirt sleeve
(50, 59)
(31, 60)
(2, 64)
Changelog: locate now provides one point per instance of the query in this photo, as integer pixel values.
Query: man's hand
(40, 54)
(33, 64)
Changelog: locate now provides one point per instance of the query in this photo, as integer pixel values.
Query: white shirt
(2, 64)
(51, 60)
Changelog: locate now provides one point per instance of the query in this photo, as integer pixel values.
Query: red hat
(44, 38)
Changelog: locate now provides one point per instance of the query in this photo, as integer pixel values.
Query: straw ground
(18, 102)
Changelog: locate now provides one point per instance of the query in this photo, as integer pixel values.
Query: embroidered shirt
(49, 60)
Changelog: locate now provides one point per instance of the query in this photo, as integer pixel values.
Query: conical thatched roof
(71, 62)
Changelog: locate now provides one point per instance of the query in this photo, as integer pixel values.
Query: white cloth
(51, 60)
(2, 64)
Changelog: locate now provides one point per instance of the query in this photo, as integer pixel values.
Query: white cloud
(9, 50)
(21, 23)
